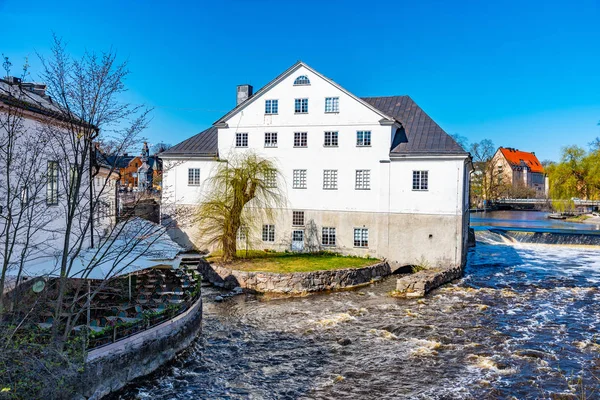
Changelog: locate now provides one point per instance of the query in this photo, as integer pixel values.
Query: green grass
(282, 263)
(579, 218)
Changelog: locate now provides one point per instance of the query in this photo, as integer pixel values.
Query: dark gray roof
(204, 143)
(419, 133)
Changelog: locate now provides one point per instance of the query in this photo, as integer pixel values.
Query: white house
(38, 170)
(364, 176)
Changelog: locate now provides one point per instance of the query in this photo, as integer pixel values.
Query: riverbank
(293, 283)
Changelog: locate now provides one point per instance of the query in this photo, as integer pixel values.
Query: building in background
(363, 176)
(520, 169)
(139, 173)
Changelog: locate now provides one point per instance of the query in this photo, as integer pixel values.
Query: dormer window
(302, 80)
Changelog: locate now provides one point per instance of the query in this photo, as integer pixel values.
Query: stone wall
(110, 368)
(293, 283)
(422, 282)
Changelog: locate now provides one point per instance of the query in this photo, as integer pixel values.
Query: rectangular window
(193, 176)
(361, 237)
(268, 233)
(300, 139)
(52, 183)
(297, 218)
(332, 104)
(242, 233)
(331, 139)
(328, 236)
(420, 180)
(241, 140)
(270, 139)
(24, 195)
(271, 106)
(301, 106)
(363, 179)
(363, 138)
(270, 179)
(299, 179)
(330, 179)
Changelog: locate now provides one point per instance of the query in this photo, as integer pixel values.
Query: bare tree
(486, 176)
(22, 185)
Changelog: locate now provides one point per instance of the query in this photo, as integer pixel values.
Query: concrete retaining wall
(422, 282)
(112, 367)
(294, 283)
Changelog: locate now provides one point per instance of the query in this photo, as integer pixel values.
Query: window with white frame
(363, 138)
(299, 179)
(270, 179)
(242, 233)
(331, 139)
(332, 104)
(193, 176)
(302, 80)
(330, 179)
(241, 140)
(361, 237)
(270, 139)
(301, 106)
(271, 106)
(420, 180)
(268, 233)
(52, 183)
(24, 195)
(363, 179)
(328, 236)
(300, 139)
(297, 218)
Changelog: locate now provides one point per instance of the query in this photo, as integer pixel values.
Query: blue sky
(525, 74)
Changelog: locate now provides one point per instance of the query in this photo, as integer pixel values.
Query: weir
(500, 235)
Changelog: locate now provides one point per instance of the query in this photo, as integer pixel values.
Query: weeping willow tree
(241, 193)
(576, 175)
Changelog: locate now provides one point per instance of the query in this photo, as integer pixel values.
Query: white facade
(382, 206)
(33, 200)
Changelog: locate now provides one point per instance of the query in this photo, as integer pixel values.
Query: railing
(544, 201)
(123, 331)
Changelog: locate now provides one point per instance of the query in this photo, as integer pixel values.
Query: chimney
(244, 92)
(13, 80)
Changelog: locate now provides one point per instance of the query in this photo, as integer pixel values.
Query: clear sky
(525, 73)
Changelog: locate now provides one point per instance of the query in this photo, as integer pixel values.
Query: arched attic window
(302, 80)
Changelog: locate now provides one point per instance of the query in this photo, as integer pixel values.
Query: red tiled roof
(518, 157)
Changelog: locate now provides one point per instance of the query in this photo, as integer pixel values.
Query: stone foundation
(422, 282)
(294, 283)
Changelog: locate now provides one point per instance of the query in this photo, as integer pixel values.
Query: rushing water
(523, 322)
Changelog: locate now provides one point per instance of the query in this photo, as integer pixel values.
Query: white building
(37, 171)
(366, 176)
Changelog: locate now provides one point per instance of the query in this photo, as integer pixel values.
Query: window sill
(359, 145)
(300, 147)
(299, 188)
(198, 185)
(296, 112)
(330, 146)
(271, 113)
(330, 188)
(361, 247)
(332, 112)
(362, 189)
(270, 147)
(420, 190)
(241, 147)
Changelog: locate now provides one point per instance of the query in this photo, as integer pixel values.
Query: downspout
(91, 195)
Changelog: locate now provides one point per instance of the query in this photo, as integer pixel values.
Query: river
(523, 322)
